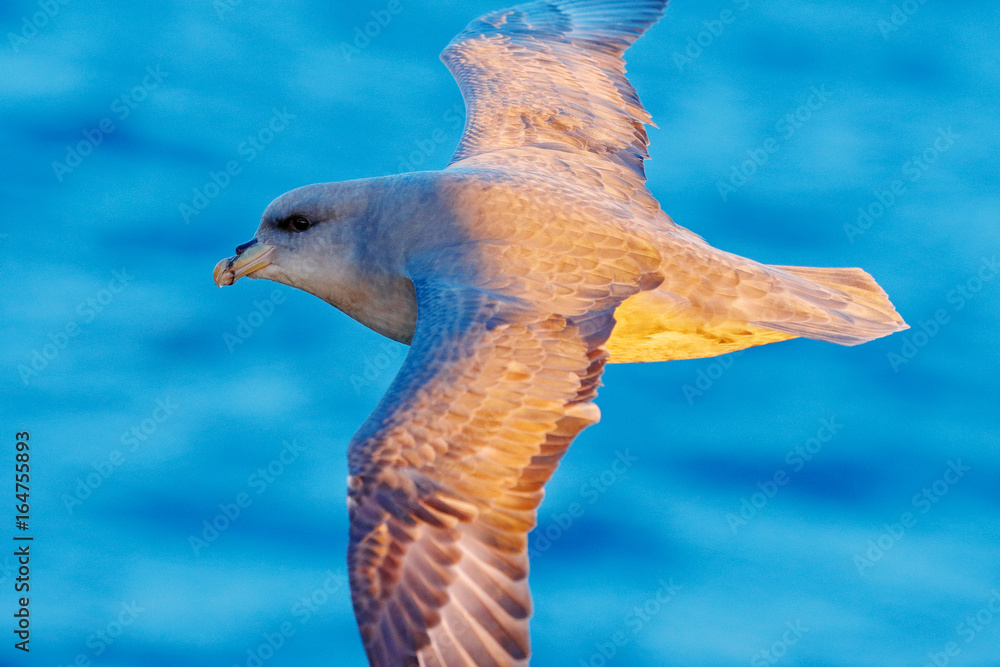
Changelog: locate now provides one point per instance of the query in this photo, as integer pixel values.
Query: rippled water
(157, 403)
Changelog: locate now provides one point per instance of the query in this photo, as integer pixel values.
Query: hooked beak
(250, 257)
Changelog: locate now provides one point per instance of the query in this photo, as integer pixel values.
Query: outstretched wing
(550, 74)
(448, 471)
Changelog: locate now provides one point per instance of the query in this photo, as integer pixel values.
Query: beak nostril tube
(250, 257)
(240, 249)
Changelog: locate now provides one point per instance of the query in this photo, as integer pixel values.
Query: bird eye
(297, 224)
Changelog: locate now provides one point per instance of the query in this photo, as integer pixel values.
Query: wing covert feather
(550, 74)
(447, 473)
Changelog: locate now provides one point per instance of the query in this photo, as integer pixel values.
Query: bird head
(307, 238)
(336, 241)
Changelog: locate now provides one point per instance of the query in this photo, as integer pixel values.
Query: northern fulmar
(515, 274)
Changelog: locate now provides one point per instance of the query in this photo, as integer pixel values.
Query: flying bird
(515, 274)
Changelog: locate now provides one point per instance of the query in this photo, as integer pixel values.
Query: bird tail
(843, 306)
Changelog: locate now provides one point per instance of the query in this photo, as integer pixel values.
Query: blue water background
(807, 559)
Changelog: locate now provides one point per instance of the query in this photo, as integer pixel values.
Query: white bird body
(472, 223)
(515, 274)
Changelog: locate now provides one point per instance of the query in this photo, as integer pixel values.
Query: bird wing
(550, 75)
(447, 472)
